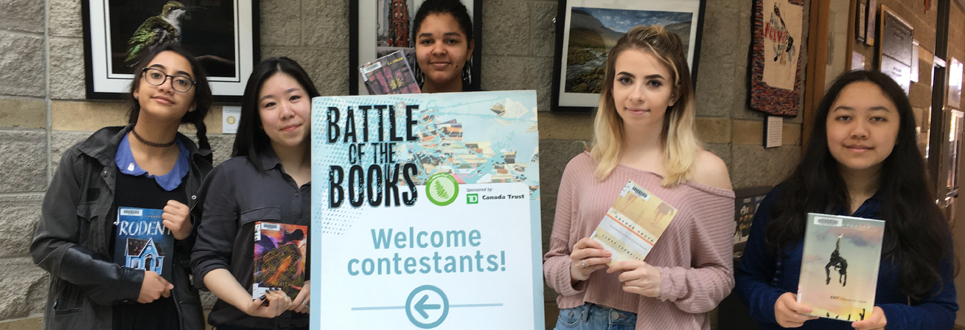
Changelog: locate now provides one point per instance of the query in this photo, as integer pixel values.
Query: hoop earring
(467, 73)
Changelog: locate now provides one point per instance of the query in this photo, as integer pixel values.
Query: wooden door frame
(818, 30)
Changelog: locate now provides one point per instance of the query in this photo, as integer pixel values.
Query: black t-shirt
(144, 192)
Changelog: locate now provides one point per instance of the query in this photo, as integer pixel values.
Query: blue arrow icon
(413, 306)
(421, 306)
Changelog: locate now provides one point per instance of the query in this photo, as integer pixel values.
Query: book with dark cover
(142, 241)
(389, 74)
(280, 251)
(839, 267)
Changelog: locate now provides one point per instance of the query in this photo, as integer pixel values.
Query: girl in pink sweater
(644, 131)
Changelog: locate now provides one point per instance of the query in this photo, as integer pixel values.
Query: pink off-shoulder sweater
(693, 254)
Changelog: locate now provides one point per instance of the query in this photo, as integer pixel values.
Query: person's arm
(757, 268)
(217, 209)
(556, 262)
(701, 287)
(54, 247)
(226, 287)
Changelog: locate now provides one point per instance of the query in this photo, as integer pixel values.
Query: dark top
(72, 238)
(762, 278)
(142, 191)
(234, 196)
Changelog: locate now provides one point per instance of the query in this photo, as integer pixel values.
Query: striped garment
(694, 254)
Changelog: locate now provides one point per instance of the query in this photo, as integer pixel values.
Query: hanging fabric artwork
(775, 57)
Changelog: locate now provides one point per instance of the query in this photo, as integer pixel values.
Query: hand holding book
(638, 277)
(789, 313)
(177, 219)
(587, 257)
(277, 303)
(153, 287)
(876, 321)
(300, 304)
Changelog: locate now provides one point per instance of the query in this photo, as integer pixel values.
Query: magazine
(389, 74)
(839, 267)
(634, 223)
(279, 256)
(142, 241)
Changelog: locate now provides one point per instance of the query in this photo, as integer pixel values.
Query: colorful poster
(426, 212)
(782, 42)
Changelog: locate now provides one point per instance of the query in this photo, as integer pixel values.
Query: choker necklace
(152, 144)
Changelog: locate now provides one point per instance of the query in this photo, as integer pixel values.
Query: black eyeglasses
(156, 77)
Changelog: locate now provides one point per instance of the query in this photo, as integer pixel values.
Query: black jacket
(73, 236)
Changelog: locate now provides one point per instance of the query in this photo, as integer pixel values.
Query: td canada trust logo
(442, 189)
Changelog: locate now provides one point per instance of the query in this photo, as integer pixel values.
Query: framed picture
(747, 202)
(895, 47)
(380, 27)
(586, 30)
(222, 34)
(860, 29)
(872, 16)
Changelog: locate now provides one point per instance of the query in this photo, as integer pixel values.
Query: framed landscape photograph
(222, 34)
(586, 30)
(380, 27)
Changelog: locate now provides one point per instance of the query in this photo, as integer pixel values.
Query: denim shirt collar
(126, 164)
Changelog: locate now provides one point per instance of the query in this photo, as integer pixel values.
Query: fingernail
(262, 297)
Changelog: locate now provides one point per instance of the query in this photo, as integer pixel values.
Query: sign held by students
(425, 211)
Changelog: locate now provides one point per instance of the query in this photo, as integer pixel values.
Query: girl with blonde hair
(644, 132)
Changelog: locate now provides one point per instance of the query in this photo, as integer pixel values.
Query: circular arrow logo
(442, 189)
(430, 299)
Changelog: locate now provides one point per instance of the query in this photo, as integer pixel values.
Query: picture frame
(746, 203)
(861, 31)
(223, 36)
(598, 27)
(894, 49)
(871, 23)
(776, 72)
(368, 40)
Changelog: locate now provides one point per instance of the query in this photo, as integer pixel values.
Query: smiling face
(642, 89)
(442, 50)
(284, 108)
(162, 101)
(862, 127)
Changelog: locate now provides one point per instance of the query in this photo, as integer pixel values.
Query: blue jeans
(595, 317)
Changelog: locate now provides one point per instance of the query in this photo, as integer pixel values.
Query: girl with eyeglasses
(146, 164)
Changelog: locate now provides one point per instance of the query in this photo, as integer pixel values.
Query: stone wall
(43, 111)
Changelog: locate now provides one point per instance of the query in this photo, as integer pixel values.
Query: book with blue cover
(142, 241)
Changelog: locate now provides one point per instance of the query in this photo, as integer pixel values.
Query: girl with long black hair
(862, 161)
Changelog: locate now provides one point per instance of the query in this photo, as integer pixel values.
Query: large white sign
(425, 212)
